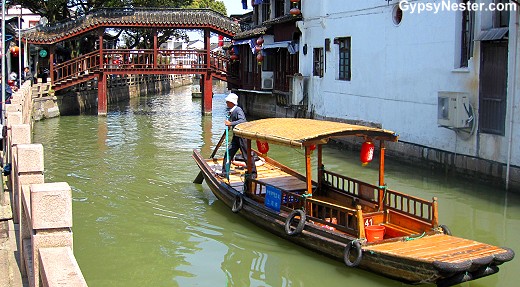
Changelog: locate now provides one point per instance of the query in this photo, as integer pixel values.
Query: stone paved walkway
(9, 269)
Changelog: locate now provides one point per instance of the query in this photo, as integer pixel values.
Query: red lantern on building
(15, 51)
(258, 48)
(260, 41)
(367, 152)
(263, 147)
(259, 58)
(295, 11)
(220, 40)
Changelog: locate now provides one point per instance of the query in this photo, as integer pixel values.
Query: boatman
(235, 116)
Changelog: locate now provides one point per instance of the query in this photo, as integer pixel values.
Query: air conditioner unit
(453, 110)
(267, 80)
(298, 88)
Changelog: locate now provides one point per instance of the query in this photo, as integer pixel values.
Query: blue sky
(235, 6)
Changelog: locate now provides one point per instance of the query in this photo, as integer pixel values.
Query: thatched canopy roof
(305, 132)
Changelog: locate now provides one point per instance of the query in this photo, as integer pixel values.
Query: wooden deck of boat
(439, 247)
(266, 173)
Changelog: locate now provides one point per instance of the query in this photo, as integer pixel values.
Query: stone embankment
(82, 98)
(36, 217)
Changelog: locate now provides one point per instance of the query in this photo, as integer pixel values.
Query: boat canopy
(306, 132)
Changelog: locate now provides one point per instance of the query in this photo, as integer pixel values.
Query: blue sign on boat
(273, 198)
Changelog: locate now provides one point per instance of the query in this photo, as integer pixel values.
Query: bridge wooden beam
(155, 48)
(101, 31)
(52, 51)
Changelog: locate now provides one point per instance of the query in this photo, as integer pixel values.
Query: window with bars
(266, 11)
(318, 62)
(345, 68)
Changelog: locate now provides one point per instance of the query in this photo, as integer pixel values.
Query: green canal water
(140, 221)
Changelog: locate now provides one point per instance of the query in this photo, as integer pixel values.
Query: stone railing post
(28, 164)
(51, 218)
(18, 134)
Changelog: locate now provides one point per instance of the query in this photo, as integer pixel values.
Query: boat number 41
(369, 221)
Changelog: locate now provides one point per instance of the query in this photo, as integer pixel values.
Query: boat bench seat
(393, 230)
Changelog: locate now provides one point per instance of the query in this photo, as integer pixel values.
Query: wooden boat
(342, 217)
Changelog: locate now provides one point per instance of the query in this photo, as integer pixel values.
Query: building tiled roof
(284, 19)
(255, 32)
(266, 25)
(133, 17)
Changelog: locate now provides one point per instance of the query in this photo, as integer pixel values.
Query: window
(279, 8)
(266, 11)
(501, 17)
(466, 41)
(318, 62)
(345, 69)
(268, 62)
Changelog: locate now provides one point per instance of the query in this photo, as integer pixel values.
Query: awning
(289, 45)
(493, 34)
(250, 42)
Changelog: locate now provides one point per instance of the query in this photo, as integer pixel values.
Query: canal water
(140, 221)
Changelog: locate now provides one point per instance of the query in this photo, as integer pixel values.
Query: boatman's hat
(233, 98)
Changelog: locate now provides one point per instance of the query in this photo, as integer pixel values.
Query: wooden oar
(200, 177)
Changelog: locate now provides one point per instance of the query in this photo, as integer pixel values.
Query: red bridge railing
(143, 61)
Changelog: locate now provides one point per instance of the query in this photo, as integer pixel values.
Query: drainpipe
(2, 53)
(512, 105)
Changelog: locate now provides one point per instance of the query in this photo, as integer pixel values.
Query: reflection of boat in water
(366, 225)
(195, 91)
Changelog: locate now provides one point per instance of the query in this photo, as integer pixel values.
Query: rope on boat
(408, 238)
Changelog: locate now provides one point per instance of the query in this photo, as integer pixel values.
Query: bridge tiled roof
(133, 17)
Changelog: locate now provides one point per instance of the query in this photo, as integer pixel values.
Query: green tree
(212, 4)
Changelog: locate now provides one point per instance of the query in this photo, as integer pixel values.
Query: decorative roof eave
(255, 32)
(284, 19)
(130, 17)
(266, 25)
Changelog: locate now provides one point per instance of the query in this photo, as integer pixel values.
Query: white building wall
(398, 71)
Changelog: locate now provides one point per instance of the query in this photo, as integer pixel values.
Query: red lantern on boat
(367, 152)
(234, 57)
(259, 58)
(312, 147)
(263, 147)
(258, 48)
(15, 51)
(295, 1)
(260, 41)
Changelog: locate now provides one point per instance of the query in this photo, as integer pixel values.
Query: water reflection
(140, 221)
